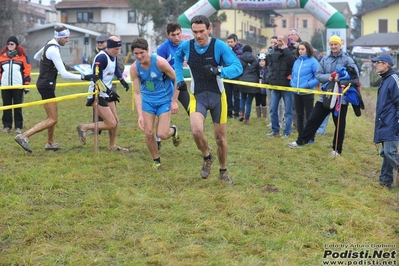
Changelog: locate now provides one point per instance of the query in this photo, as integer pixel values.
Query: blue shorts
(214, 102)
(156, 108)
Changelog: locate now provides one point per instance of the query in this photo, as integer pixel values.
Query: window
(284, 25)
(382, 26)
(304, 23)
(84, 17)
(131, 17)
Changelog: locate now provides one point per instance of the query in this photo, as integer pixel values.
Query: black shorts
(101, 101)
(47, 92)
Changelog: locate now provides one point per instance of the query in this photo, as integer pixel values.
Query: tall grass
(74, 207)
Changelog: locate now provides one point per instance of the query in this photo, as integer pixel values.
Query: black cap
(102, 38)
(13, 39)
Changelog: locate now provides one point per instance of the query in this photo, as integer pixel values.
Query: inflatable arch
(334, 21)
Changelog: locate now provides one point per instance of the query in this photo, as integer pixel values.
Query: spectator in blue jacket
(386, 129)
(303, 76)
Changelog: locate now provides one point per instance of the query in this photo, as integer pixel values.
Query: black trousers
(233, 99)
(11, 97)
(316, 118)
(304, 106)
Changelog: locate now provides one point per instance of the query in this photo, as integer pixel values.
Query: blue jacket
(387, 108)
(303, 73)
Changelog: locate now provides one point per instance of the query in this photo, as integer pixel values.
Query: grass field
(286, 207)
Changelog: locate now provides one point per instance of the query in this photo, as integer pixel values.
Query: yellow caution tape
(56, 99)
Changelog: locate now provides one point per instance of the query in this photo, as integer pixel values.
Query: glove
(124, 84)
(113, 96)
(182, 86)
(90, 77)
(212, 70)
(397, 126)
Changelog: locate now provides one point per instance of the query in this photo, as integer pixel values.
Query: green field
(286, 207)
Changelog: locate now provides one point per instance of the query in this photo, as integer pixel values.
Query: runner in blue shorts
(157, 96)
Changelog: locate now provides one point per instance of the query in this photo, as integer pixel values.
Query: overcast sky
(352, 4)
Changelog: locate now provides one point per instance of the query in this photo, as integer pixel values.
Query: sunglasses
(10, 44)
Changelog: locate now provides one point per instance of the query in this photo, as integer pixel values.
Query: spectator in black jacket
(280, 69)
(250, 66)
(232, 93)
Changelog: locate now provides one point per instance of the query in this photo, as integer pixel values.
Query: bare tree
(11, 21)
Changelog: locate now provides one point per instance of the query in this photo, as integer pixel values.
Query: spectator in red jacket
(14, 70)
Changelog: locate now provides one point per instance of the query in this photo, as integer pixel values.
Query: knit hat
(247, 48)
(336, 39)
(13, 39)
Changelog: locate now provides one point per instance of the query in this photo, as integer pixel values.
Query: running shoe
(23, 142)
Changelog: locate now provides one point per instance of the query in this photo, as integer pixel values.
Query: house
(381, 19)
(112, 17)
(306, 23)
(246, 24)
(255, 27)
(380, 28)
(81, 43)
(37, 14)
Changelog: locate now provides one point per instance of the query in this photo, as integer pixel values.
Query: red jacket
(14, 71)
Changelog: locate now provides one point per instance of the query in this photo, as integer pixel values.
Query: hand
(212, 70)
(90, 77)
(175, 107)
(124, 84)
(113, 95)
(182, 86)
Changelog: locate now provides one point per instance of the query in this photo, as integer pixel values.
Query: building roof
(378, 39)
(375, 8)
(100, 4)
(70, 27)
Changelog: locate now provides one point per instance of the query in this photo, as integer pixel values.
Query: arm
(27, 70)
(53, 53)
(137, 95)
(164, 66)
(179, 59)
(313, 81)
(38, 54)
(321, 76)
(233, 67)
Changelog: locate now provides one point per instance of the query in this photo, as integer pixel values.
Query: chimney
(52, 4)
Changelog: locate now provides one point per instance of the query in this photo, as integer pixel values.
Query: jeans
(319, 113)
(246, 104)
(287, 98)
(322, 129)
(233, 98)
(389, 153)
